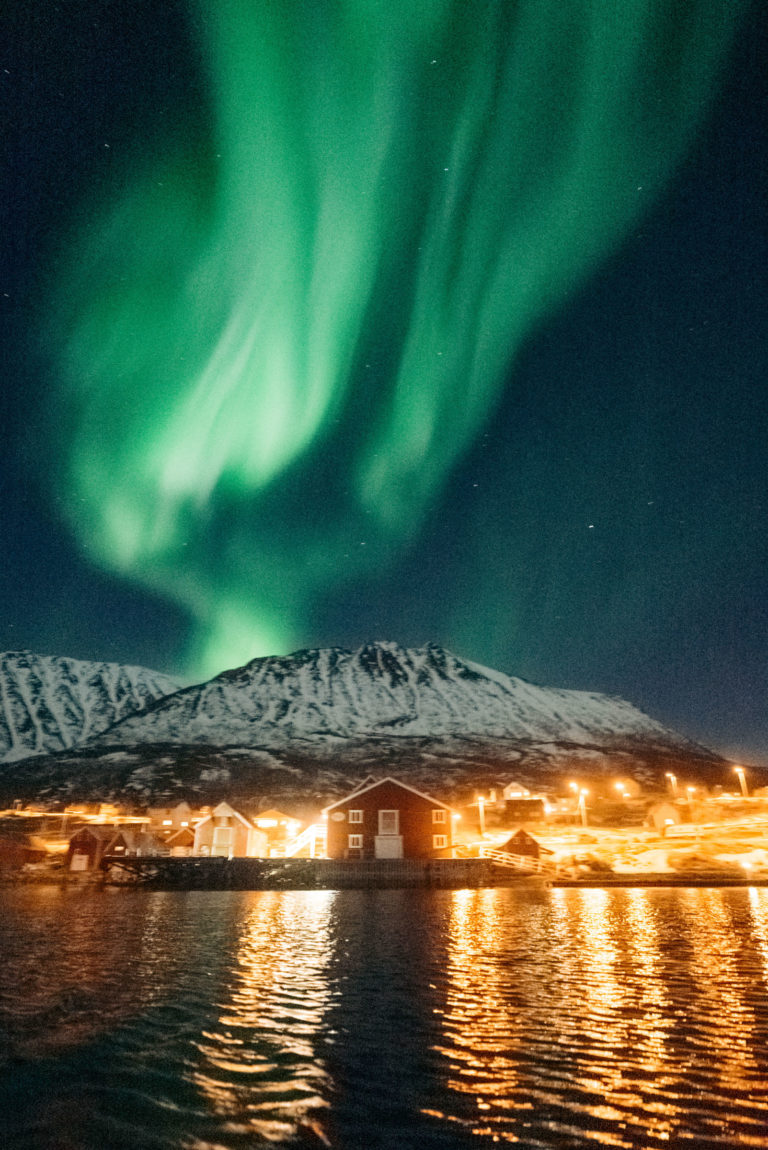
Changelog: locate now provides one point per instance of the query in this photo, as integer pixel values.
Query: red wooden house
(90, 843)
(388, 819)
(522, 843)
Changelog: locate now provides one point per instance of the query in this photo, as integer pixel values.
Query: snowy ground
(736, 848)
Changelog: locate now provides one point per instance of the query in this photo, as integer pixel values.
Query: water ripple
(384, 1019)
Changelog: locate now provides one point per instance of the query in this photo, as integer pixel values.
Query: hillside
(298, 730)
(49, 703)
(381, 689)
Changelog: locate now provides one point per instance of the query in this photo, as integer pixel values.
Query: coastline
(163, 873)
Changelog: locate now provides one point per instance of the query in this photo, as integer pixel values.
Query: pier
(192, 873)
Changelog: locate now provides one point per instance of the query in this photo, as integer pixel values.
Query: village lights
(672, 783)
(742, 781)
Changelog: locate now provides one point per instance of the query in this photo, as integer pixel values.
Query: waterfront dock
(192, 873)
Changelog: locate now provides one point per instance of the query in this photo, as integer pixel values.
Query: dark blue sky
(607, 530)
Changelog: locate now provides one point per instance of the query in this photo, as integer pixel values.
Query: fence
(517, 862)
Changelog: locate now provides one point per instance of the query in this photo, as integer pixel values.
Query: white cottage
(226, 833)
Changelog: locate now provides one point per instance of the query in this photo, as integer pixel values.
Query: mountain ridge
(301, 729)
(375, 689)
(49, 703)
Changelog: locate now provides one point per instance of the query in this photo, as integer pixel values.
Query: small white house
(516, 790)
(225, 833)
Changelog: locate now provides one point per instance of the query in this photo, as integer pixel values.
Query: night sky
(440, 322)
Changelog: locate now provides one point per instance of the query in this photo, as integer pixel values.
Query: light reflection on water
(261, 1066)
(383, 1019)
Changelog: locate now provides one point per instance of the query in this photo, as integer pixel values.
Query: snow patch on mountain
(381, 689)
(48, 704)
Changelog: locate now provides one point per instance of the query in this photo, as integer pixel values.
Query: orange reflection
(722, 1003)
(262, 1067)
(758, 905)
(615, 1017)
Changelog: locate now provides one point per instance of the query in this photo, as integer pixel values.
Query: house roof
(522, 835)
(110, 833)
(370, 784)
(224, 809)
(103, 831)
(181, 833)
(179, 807)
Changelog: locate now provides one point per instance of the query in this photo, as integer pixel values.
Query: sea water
(383, 1019)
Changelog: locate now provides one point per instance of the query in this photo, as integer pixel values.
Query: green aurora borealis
(276, 340)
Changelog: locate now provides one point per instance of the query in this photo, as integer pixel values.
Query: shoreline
(167, 873)
(714, 879)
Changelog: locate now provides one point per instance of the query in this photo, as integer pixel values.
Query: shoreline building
(386, 818)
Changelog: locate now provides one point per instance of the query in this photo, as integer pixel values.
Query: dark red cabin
(389, 819)
(88, 846)
(521, 843)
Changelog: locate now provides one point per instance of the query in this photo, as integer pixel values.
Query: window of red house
(389, 822)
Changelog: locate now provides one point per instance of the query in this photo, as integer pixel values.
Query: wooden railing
(312, 837)
(517, 862)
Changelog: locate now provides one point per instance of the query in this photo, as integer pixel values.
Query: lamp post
(583, 806)
(672, 783)
(481, 813)
(575, 788)
(742, 781)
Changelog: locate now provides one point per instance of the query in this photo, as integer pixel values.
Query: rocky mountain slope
(381, 689)
(48, 703)
(297, 731)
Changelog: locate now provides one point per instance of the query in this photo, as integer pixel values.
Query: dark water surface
(383, 1019)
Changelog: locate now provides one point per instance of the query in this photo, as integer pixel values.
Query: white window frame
(439, 842)
(396, 822)
(355, 816)
(355, 842)
(438, 816)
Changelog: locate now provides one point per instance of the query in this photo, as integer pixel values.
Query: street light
(583, 806)
(672, 783)
(742, 781)
(481, 813)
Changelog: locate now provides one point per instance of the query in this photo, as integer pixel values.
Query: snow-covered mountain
(381, 689)
(297, 731)
(48, 703)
